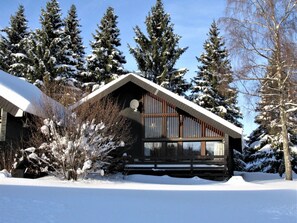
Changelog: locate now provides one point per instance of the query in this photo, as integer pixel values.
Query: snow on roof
(18, 96)
(179, 101)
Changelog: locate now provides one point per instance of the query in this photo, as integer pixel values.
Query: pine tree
(211, 88)
(72, 32)
(106, 59)
(157, 53)
(13, 55)
(51, 45)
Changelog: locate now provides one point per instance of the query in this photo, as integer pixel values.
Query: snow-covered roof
(180, 102)
(18, 96)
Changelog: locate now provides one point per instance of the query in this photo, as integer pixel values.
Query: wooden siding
(3, 123)
(167, 138)
(164, 94)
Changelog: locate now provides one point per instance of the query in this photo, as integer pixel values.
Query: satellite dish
(134, 104)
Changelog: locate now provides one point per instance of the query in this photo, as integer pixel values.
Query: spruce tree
(13, 55)
(51, 45)
(106, 59)
(264, 151)
(156, 54)
(72, 32)
(5, 51)
(211, 87)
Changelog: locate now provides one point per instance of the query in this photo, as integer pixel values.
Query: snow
(245, 198)
(23, 95)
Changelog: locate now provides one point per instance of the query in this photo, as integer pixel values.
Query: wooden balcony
(206, 166)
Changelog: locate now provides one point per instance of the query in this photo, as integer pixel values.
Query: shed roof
(18, 96)
(180, 102)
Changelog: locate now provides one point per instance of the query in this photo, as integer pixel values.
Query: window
(191, 149)
(191, 128)
(172, 127)
(171, 150)
(152, 105)
(152, 148)
(153, 127)
(211, 132)
(169, 133)
(214, 149)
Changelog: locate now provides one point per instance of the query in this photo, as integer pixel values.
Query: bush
(7, 156)
(75, 144)
(239, 164)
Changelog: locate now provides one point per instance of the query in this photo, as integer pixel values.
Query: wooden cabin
(19, 101)
(172, 135)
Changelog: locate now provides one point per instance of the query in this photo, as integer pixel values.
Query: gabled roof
(18, 96)
(180, 102)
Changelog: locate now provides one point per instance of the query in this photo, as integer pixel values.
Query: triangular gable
(180, 102)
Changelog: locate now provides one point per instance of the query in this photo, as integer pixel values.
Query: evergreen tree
(50, 47)
(5, 51)
(72, 32)
(106, 59)
(264, 151)
(13, 55)
(157, 53)
(211, 88)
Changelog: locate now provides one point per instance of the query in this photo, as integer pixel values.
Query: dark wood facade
(168, 140)
(13, 130)
(171, 134)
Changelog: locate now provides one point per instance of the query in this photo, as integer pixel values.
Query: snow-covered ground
(247, 197)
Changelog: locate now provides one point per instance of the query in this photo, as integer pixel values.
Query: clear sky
(191, 19)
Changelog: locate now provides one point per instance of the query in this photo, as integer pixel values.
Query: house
(172, 134)
(19, 102)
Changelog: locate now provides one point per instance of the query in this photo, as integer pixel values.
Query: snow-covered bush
(86, 141)
(263, 153)
(239, 164)
(74, 153)
(265, 160)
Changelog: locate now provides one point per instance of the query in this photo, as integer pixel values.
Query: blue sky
(191, 19)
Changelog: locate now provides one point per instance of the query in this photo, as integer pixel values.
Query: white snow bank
(147, 199)
(4, 174)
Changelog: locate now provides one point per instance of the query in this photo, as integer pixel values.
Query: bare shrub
(7, 156)
(75, 144)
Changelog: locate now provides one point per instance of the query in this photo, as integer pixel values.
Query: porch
(211, 166)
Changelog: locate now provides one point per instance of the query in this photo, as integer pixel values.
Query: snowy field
(248, 198)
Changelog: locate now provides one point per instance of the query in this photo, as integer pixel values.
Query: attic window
(191, 128)
(162, 120)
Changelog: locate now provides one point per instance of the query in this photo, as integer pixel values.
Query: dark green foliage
(264, 153)
(268, 133)
(211, 88)
(157, 53)
(50, 46)
(106, 60)
(75, 42)
(13, 55)
(238, 159)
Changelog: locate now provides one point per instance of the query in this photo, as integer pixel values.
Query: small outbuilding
(172, 134)
(19, 101)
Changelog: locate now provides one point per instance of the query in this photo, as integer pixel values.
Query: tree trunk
(288, 166)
